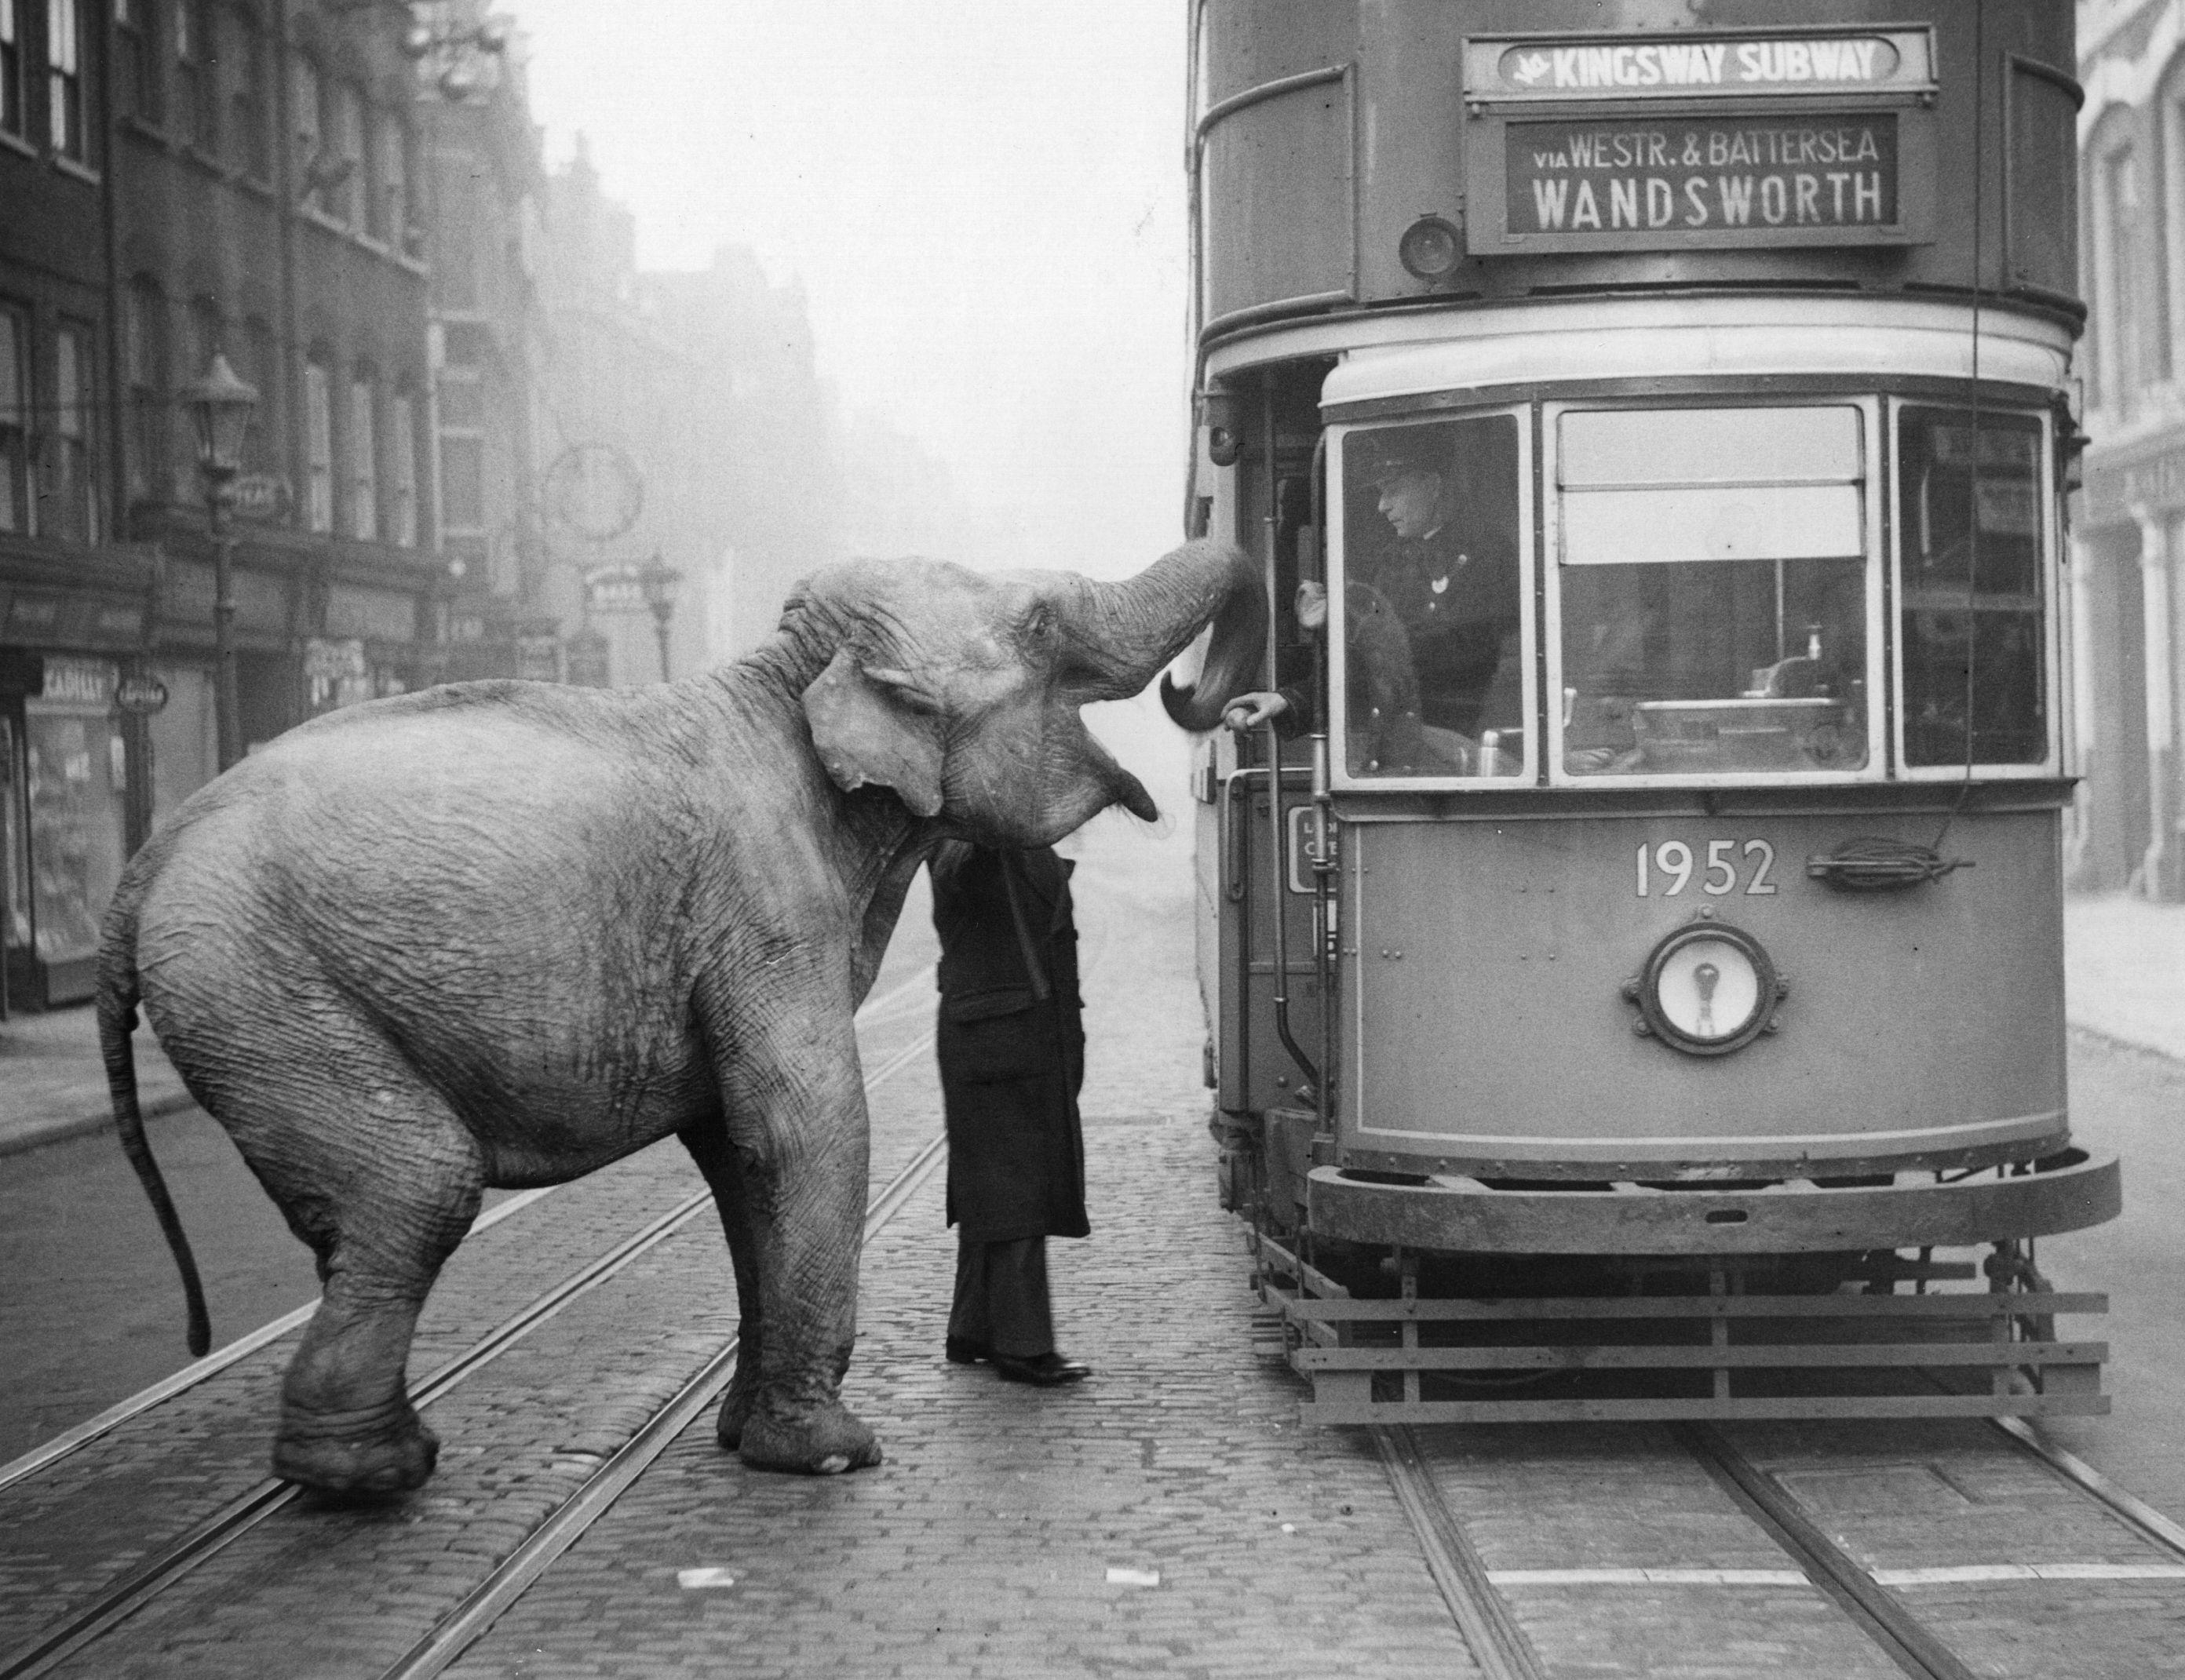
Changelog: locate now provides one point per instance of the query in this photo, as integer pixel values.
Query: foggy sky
(984, 202)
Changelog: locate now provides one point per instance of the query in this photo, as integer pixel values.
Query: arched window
(2116, 186)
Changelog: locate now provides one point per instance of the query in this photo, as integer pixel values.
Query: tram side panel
(1488, 1027)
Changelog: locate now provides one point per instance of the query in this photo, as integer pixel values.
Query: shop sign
(143, 695)
(80, 682)
(1685, 63)
(260, 495)
(1701, 174)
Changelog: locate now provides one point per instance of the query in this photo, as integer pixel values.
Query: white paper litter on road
(688, 1578)
(1132, 1577)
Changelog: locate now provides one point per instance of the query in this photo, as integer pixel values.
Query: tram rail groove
(180, 1557)
(470, 1619)
(884, 1010)
(1884, 1618)
(1483, 1615)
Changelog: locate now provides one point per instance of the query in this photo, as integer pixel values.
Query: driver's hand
(1312, 604)
(1249, 712)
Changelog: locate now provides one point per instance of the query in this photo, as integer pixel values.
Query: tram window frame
(1342, 439)
(2047, 563)
(1867, 482)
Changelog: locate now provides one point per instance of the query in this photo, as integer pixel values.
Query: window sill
(15, 142)
(144, 128)
(82, 172)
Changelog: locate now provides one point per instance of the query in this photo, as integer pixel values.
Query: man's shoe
(961, 1351)
(1042, 1370)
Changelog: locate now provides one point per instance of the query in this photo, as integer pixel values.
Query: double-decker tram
(1631, 921)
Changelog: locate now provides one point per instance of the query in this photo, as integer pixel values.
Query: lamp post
(658, 581)
(220, 406)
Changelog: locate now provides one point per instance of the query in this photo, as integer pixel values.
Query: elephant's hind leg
(388, 1183)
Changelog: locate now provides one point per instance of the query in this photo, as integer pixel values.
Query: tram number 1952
(1669, 867)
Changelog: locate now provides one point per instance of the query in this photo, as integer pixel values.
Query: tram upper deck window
(1713, 591)
(1968, 490)
(1434, 599)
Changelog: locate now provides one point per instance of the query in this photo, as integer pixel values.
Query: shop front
(65, 771)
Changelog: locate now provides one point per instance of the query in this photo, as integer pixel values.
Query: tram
(1630, 927)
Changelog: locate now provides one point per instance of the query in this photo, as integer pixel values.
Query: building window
(318, 446)
(259, 366)
(2116, 206)
(402, 469)
(11, 68)
(15, 420)
(136, 57)
(245, 53)
(394, 184)
(364, 461)
(65, 77)
(193, 77)
(144, 368)
(73, 495)
(345, 193)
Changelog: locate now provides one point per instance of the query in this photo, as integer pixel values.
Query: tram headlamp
(1707, 989)
(1431, 248)
(1217, 412)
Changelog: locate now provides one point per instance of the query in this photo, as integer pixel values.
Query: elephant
(500, 934)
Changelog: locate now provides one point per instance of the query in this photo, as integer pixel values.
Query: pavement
(2124, 974)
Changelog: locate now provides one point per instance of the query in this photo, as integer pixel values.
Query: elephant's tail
(117, 1020)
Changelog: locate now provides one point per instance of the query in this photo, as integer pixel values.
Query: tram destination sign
(1687, 63)
(1699, 139)
(1718, 177)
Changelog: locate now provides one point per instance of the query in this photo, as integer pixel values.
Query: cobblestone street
(1010, 1529)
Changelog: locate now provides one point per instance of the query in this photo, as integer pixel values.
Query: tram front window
(1712, 590)
(1434, 599)
(1969, 513)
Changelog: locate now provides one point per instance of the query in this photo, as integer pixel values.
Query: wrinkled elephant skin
(502, 934)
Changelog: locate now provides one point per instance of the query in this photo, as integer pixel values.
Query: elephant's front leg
(707, 1141)
(796, 1120)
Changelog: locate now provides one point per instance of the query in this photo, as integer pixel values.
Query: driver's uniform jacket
(1010, 1042)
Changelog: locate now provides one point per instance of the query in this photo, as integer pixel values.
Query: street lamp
(658, 580)
(220, 406)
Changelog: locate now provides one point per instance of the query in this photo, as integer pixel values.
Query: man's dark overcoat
(1011, 1059)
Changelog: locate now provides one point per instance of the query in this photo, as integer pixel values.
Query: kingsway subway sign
(1685, 64)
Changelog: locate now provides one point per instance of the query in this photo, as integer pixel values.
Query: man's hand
(1249, 712)
(1312, 604)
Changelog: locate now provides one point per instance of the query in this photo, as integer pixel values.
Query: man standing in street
(1011, 1045)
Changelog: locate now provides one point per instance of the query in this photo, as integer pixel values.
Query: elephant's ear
(870, 726)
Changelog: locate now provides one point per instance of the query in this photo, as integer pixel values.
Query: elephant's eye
(1040, 627)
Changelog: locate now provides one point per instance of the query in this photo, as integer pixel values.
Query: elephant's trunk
(1123, 634)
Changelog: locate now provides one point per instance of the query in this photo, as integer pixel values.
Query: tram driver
(1433, 605)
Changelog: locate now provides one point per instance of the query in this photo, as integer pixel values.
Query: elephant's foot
(824, 1441)
(383, 1450)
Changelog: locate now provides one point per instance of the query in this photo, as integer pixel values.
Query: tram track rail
(177, 1559)
(1870, 1598)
